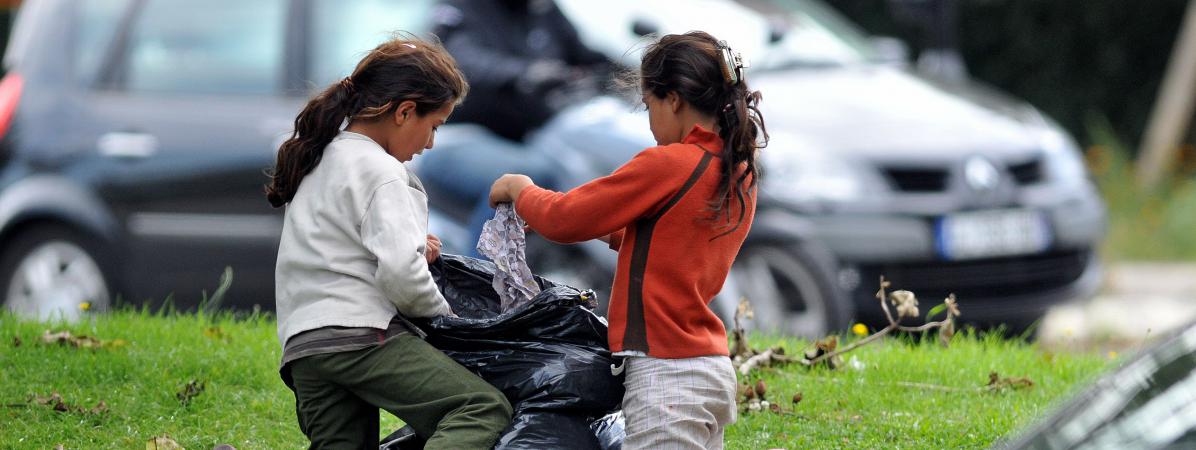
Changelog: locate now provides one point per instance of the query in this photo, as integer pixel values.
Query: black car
(136, 134)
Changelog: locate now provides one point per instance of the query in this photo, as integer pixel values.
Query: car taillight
(10, 94)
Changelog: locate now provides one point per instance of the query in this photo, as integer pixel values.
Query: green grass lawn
(245, 404)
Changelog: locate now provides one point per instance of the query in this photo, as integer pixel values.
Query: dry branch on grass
(826, 351)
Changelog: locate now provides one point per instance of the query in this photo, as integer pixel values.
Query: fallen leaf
(995, 382)
(81, 341)
(162, 443)
(99, 408)
(191, 390)
(216, 333)
(60, 337)
(797, 398)
(741, 390)
(760, 389)
(16, 341)
(55, 402)
(829, 344)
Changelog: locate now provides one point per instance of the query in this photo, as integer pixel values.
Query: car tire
(792, 290)
(53, 272)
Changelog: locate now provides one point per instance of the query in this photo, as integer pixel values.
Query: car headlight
(793, 171)
(1064, 161)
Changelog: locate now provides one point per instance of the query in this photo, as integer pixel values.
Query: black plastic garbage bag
(610, 431)
(548, 356)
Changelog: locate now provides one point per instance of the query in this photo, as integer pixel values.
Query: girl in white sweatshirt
(353, 260)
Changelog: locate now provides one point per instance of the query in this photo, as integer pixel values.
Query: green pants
(337, 396)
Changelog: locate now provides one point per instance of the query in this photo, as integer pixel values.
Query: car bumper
(902, 248)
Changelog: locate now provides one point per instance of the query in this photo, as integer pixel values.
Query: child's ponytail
(399, 70)
(709, 76)
(740, 126)
(315, 127)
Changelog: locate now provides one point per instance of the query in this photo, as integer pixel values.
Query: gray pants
(678, 403)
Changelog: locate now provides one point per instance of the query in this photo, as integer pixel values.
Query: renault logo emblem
(980, 174)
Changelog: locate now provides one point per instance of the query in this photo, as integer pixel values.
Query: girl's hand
(507, 188)
(432, 251)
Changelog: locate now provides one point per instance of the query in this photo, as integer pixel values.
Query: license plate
(985, 234)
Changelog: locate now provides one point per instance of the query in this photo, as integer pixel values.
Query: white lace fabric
(504, 242)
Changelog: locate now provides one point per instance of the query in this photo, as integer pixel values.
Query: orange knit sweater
(655, 209)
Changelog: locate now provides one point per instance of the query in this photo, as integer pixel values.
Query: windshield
(771, 34)
(344, 32)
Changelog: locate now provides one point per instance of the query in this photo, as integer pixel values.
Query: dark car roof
(1147, 403)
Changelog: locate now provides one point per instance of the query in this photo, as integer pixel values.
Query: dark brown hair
(694, 66)
(403, 68)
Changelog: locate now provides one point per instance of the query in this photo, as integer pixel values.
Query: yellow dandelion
(859, 329)
(1112, 355)
(85, 306)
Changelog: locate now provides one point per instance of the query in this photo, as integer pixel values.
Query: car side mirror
(644, 27)
(890, 51)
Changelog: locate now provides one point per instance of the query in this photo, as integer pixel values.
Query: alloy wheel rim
(779, 303)
(57, 279)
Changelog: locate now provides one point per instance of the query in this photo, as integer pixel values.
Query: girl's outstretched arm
(603, 206)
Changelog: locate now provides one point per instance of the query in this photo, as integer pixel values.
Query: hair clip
(733, 64)
(347, 85)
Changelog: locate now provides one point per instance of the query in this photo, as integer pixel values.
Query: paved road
(1138, 301)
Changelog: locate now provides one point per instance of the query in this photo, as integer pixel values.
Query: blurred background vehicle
(136, 133)
(940, 186)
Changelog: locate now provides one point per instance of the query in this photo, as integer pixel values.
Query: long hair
(401, 69)
(702, 71)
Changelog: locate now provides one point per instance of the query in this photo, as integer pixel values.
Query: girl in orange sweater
(677, 214)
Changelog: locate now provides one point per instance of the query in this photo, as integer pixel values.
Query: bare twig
(825, 351)
(854, 345)
(756, 361)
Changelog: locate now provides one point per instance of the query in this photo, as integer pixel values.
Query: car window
(97, 26)
(343, 32)
(208, 47)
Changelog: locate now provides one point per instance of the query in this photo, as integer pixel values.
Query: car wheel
(791, 291)
(51, 272)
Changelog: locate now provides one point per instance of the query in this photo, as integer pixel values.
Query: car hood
(877, 112)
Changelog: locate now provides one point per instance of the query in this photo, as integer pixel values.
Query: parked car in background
(941, 187)
(134, 136)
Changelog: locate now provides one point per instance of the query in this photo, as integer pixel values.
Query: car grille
(1029, 172)
(917, 179)
(981, 279)
(929, 179)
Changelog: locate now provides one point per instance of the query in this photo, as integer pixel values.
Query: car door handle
(127, 145)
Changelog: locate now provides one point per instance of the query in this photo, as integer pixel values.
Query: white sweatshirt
(353, 242)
